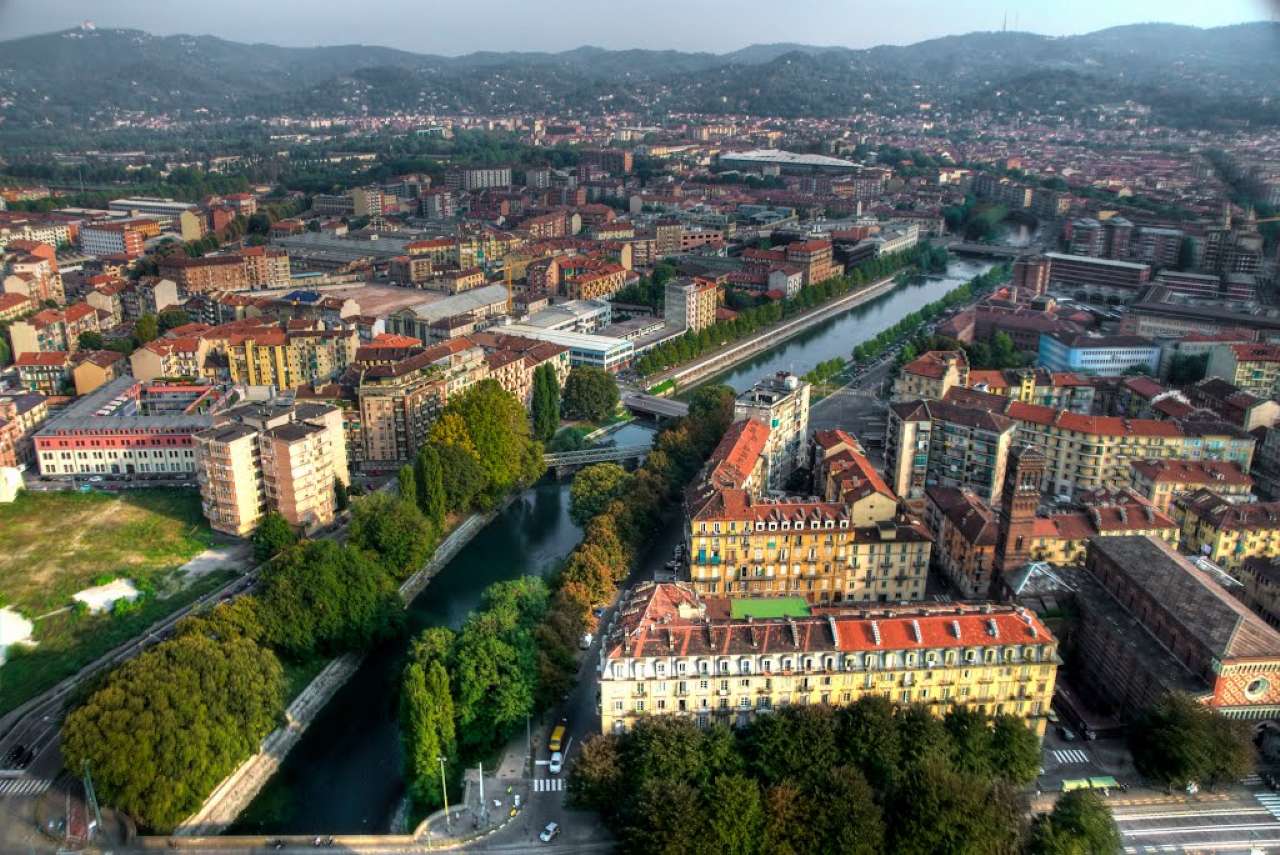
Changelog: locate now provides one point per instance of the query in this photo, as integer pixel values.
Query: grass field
(769, 607)
(54, 544)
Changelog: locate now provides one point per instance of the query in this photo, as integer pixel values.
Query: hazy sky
(455, 26)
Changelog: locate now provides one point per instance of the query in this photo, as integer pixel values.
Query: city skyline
(704, 27)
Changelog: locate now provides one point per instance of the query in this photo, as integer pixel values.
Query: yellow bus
(557, 737)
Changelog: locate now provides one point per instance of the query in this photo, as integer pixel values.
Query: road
(1240, 820)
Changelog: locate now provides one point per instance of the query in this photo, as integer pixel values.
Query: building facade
(675, 652)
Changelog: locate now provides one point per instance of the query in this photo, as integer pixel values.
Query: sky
(455, 27)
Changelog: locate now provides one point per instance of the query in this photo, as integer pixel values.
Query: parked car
(95, 479)
(557, 763)
(550, 832)
(1067, 734)
(586, 640)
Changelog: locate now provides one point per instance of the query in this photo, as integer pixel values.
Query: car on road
(95, 479)
(1067, 734)
(585, 641)
(557, 763)
(551, 832)
(557, 736)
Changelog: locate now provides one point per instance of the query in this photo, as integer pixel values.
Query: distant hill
(1198, 76)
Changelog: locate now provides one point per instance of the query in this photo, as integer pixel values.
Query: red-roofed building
(1162, 481)
(47, 372)
(674, 651)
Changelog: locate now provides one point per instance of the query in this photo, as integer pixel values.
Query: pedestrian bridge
(652, 405)
(587, 456)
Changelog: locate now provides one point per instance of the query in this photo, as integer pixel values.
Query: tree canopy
(166, 727)
(1179, 740)
(492, 423)
(590, 394)
(594, 487)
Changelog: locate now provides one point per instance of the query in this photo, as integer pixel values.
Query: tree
(594, 487)
(596, 781)
(324, 598)
(1015, 750)
(1081, 824)
(666, 818)
(432, 499)
(146, 329)
(408, 486)
(937, 809)
(171, 318)
(460, 475)
(272, 536)
(341, 496)
(867, 737)
(6, 351)
(970, 734)
(1185, 369)
(1178, 740)
(394, 530)
(845, 813)
(166, 727)
(546, 402)
(90, 340)
(427, 729)
(735, 817)
(788, 826)
(590, 394)
(496, 426)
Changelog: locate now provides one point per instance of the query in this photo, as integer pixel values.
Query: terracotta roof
(1207, 472)
(934, 363)
(670, 620)
(1256, 352)
(737, 453)
(1222, 514)
(43, 359)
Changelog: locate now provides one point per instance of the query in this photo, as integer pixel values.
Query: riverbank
(692, 373)
(242, 786)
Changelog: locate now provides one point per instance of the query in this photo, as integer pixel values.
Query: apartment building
(1260, 587)
(47, 372)
(20, 414)
(1062, 390)
(400, 399)
(207, 274)
(965, 532)
(1087, 452)
(272, 456)
(1227, 532)
(930, 375)
(782, 403)
(112, 238)
(822, 551)
(814, 258)
(674, 651)
(266, 267)
(935, 443)
(95, 368)
(1254, 368)
(1102, 276)
(1162, 481)
(690, 304)
(1152, 622)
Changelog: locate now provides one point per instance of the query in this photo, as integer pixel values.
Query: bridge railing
(595, 455)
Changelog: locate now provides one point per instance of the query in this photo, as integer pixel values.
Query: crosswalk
(1270, 801)
(1070, 755)
(547, 785)
(24, 787)
(1251, 780)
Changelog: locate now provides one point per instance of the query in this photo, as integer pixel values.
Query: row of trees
(910, 324)
(867, 778)
(466, 693)
(753, 319)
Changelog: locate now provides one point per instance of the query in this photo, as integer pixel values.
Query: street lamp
(444, 791)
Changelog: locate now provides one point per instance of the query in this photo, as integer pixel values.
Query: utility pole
(444, 790)
(528, 742)
(92, 799)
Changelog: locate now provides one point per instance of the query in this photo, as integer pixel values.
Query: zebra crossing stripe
(547, 785)
(1071, 755)
(25, 786)
(1271, 802)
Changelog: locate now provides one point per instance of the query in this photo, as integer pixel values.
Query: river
(837, 336)
(344, 775)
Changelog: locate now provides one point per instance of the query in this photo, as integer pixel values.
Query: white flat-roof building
(611, 354)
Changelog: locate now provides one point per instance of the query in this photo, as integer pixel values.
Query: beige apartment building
(781, 403)
(674, 652)
(271, 456)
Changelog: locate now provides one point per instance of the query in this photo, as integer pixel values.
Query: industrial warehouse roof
(786, 158)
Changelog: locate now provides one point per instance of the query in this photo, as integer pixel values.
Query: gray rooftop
(112, 407)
